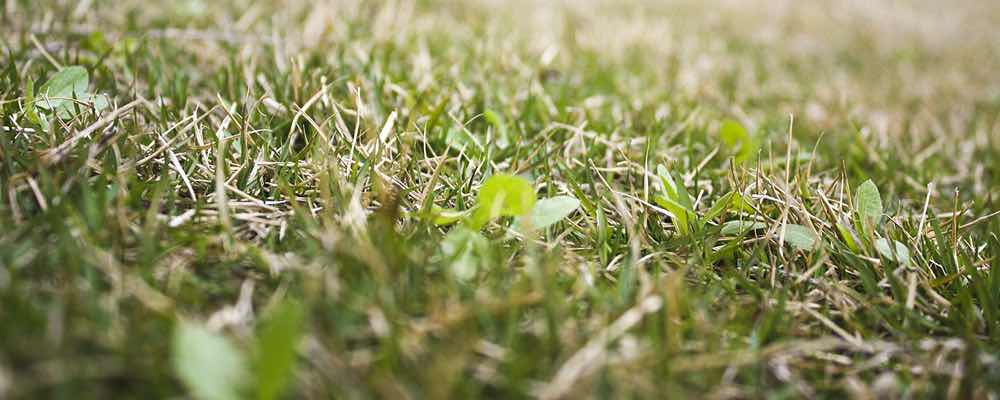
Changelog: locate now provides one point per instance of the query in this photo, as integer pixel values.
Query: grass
(341, 199)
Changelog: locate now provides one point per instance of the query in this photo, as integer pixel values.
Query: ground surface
(433, 199)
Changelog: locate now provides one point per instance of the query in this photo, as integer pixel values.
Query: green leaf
(59, 96)
(676, 200)
(676, 192)
(734, 228)
(800, 237)
(869, 204)
(733, 133)
(680, 215)
(207, 363)
(897, 252)
(57, 93)
(96, 42)
(740, 203)
(465, 250)
(277, 341)
(99, 102)
(503, 195)
(502, 139)
(720, 206)
(551, 210)
(736, 137)
(444, 216)
(848, 236)
(29, 108)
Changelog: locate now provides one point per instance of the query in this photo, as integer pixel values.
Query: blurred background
(886, 67)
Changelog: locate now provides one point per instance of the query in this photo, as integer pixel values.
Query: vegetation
(463, 199)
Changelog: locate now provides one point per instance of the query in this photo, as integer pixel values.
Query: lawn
(499, 199)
